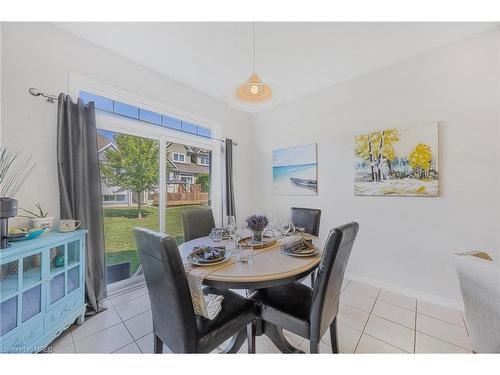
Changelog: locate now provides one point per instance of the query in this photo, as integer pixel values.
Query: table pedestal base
(272, 331)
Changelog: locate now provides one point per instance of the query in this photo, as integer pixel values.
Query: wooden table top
(270, 267)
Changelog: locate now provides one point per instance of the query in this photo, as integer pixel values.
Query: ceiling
(299, 57)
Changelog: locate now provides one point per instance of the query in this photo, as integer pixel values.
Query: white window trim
(187, 176)
(201, 163)
(179, 154)
(165, 136)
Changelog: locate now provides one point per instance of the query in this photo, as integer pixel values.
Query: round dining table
(270, 267)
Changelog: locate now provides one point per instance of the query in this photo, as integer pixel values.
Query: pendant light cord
(253, 23)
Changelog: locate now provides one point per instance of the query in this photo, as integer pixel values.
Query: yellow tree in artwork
(376, 147)
(391, 136)
(420, 159)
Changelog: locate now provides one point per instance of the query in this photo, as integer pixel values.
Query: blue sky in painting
(305, 154)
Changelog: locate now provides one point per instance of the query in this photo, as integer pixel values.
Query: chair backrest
(197, 223)
(480, 286)
(331, 270)
(307, 218)
(173, 315)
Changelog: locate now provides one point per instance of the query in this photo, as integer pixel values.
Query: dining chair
(308, 219)
(309, 312)
(197, 223)
(174, 321)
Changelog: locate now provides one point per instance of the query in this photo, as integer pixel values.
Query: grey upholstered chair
(197, 223)
(309, 312)
(306, 218)
(174, 321)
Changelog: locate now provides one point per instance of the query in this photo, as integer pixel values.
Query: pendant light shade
(254, 95)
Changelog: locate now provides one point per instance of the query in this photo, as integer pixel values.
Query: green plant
(133, 165)
(40, 214)
(14, 169)
(203, 179)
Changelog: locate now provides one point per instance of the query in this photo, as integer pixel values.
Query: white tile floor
(371, 320)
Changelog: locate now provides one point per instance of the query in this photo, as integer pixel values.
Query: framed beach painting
(397, 162)
(295, 170)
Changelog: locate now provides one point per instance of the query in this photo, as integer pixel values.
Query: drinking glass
(231, 221)
(245, 252)
(289, 228)
(217, 234)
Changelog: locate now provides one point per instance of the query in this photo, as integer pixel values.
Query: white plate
(315, 252)
(199, 264)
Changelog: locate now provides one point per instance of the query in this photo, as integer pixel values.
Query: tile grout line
(446, 342)
(415, 330)
(367, 320)
(443, 340)
(385, 342)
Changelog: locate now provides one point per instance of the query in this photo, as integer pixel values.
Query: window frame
(165, 136)
(181, 176)
(199, 160)
(173, 154)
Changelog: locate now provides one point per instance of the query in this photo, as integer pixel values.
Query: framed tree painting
(397, 162)
(295, 170)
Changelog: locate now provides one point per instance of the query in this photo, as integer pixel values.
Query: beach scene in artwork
(295, 170)
(397, 162)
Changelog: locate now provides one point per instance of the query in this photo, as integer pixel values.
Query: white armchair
(480, 286)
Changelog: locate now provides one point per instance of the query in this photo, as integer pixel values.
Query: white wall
(42, 55)
(404, 242)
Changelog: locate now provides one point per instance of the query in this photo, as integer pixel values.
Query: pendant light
(254, 95)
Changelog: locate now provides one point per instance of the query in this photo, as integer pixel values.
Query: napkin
(298, 246)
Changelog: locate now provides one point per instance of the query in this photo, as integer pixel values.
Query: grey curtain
(80, 187)
(230, 207)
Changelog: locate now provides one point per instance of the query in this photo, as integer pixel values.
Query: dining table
(270, 267)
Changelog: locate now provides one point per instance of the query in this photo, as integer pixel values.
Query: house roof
(191, 168)
(103, 143)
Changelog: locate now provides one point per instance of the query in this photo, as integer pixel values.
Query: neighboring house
(184, 164)
(111, 195)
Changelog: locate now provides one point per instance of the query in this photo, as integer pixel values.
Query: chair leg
(158, 345)
(251, 337)
(314, 347)
(334, 337)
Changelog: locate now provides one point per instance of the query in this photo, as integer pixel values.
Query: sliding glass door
(129, 167)
(147, 182)
(188, 177)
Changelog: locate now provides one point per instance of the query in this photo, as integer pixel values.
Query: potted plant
(39, 218)
(14, 169)
(257, 223)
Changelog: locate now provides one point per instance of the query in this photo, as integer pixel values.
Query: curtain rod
(51, 98)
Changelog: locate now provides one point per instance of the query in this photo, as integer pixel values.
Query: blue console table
(42, 284)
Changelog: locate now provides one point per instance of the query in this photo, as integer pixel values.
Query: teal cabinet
(42, 284)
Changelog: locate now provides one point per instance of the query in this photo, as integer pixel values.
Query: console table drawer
(62, 311)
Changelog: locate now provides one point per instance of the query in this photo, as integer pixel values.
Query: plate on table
(299, 248)
(208, 255)
(301, 254)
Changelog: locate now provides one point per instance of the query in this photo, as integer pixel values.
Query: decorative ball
(59, 261)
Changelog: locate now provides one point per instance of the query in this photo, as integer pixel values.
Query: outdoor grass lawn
(118, 225)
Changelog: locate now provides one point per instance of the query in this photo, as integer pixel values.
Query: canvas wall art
(398, 162)
(295, 170)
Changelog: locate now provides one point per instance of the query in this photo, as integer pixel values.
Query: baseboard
(423, 296)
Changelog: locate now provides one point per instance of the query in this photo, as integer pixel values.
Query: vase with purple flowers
(257, 224)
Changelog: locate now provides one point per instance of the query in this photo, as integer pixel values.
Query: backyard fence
(185, 195)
